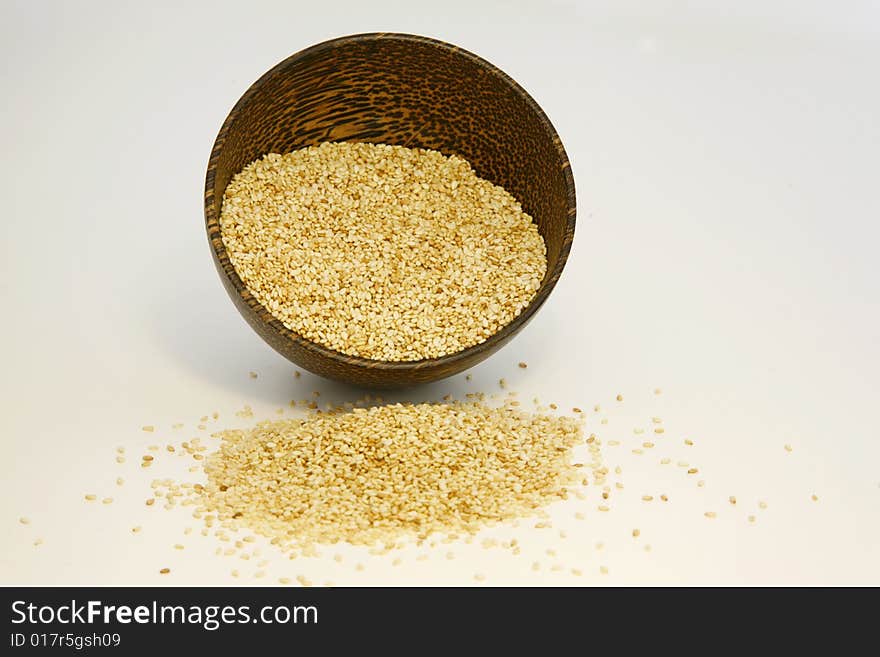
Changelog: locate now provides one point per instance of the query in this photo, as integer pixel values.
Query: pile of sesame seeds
(248, 499)
(375, 476)
(383, 252)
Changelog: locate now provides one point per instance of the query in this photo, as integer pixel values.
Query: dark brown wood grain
(412, 91)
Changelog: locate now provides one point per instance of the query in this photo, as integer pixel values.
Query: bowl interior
(410, 91)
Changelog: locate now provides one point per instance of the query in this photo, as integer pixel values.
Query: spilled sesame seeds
(265, 478)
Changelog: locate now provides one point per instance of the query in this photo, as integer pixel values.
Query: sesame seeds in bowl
(381, 252)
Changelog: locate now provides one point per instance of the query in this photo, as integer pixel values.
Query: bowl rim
(496, 339)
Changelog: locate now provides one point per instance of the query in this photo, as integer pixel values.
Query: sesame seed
(90, 497)
(710, 514)
(647, 498)
(149, 428)
(731, 499)
(636, 533)
(253, 375)
(366, 456)
(787, 448)
(24, 521)
(523, 366)
(619, 398)
(603, 570)
(164, 571)
(136, 529)
(439, 212)
(107, 500)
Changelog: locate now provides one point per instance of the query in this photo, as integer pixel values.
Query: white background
(726, 157)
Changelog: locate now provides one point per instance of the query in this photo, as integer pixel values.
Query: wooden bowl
(412, 91)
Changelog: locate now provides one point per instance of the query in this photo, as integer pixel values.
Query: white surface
(726, 158)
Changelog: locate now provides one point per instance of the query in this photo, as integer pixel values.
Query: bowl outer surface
(406, 90)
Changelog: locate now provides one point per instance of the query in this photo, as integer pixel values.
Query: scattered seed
(164, 571)
(710, 514)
